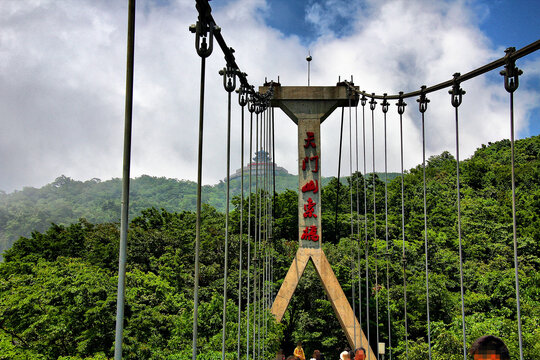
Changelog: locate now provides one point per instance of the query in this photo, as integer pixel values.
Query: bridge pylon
(308, 107)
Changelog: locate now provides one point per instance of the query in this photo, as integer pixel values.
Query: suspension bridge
(308, 106)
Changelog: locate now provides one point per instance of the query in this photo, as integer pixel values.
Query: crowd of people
(487, 347)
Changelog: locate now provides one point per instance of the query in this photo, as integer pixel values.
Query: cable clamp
(511, 72)
(372, 102)
(456, 92)
(229, 78)
(401, 104)
(363, 99)
(242, 95)
(385, 103)
(204, 37)
(423, 100)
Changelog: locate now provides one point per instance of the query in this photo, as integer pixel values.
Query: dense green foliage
(65, 201)
(58, 286)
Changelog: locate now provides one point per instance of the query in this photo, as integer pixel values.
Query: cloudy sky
(62, 79)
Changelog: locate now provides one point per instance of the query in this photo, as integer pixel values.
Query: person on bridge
(489, 347)
(280, 355)
(299, 352)
(345, 355)
(360, 354)
(316, 355)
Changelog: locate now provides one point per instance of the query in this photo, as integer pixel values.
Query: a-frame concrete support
(308, 106)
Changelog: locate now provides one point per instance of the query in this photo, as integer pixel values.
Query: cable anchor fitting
(456, 92)
(229, 78)
(423, 100)
(242, 95)
(372, 102)
(385, 103)
(251, 101)
(363, 100)
(401, 104)
(511, 72)
(203, 30)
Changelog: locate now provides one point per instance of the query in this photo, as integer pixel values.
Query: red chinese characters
(310, 141)
(309, 208)
(310, 233)
(310, 162)
(306, 162)
(311, 186)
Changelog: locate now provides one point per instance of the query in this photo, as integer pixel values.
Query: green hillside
(65, 201)
(58, 286)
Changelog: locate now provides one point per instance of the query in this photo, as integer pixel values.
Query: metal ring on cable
(456, 92)
(385, 104)
(203, 31)
(423, 100)
(242, 96)
(251, 103)
(229, 78)
(372, 103)
(511, 72)
(401, 104)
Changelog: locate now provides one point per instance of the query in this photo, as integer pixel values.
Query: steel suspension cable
(511, 82)
(251, 108)
(372, 105)
(351, 220)
(363, 101)
(256, 235)
(229, 82)
(456, 98)
(242, 100)
(273, 203)
(358, 226)
(273, 162)
(422, 105)
(126, 166)
(401, 109)
(204, 49)
(338, 176)
(264, 132)
(266, 258)
(384, 106)
(259, 253)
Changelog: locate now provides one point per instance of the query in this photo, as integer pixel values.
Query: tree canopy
(58, 284)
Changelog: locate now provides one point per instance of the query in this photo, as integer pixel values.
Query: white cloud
(62, 83)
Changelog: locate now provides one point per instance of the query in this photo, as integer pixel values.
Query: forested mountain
(65, 201)
(58, 286)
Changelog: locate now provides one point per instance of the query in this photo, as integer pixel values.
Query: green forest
(58, 283)
(65, 201)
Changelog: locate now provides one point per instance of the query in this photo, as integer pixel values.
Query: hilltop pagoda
(262, 163)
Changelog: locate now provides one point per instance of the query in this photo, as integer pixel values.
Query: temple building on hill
(262, 162)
